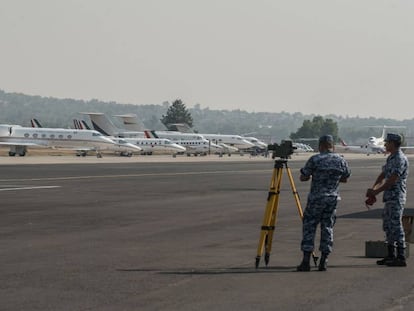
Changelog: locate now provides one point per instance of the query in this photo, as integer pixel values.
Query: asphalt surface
(182, 235)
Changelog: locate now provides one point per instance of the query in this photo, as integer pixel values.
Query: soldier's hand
(370, 193)
(370, 201)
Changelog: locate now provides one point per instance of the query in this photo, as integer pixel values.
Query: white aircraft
(258, 143)
(121, 146)
(194, 143)
(193, 146)
(365, 148)
(229, 150)
(374, 145)
(101, 123)
(231, 140)
(300, 148)
(19, 138)
(183, 129)
(147, 145)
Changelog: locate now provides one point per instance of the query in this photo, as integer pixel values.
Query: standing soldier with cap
(327, 170)
(393, 182)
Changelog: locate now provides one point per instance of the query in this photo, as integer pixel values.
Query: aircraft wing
(35, 145)
(27, 144)
(83, 148)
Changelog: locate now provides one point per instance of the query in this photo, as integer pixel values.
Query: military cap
(393, 137)
(326, 139)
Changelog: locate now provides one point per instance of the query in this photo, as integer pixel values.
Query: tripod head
(283, 151)
(280, 163)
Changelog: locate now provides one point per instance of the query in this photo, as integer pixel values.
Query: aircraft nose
(132, 147)
(180, 148)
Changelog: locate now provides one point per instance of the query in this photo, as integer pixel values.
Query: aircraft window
(43, 135)
(69, 136)
(52, 136)
(60, 136)
(26, 135)
(34, 135)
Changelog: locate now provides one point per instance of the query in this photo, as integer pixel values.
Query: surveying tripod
(269, 221)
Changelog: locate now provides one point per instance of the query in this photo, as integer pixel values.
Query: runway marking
(139, 175)
(28, 188)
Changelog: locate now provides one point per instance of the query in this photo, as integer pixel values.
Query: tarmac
(164, 233)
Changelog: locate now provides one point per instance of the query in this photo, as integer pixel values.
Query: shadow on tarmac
(374, 214)
(244, 270)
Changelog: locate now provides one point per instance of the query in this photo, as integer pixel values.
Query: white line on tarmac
(29, 188)
(137, 175)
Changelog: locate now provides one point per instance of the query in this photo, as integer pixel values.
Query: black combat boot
(304, 265)
(390, 257)
(399, 261)
(323, 263)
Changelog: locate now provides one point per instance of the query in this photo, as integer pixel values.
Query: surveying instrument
(282, 151)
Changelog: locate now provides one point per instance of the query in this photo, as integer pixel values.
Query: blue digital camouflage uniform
(327, 169)
(395, 198)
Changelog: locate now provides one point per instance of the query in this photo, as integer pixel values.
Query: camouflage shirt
(326, 169)
(397, 163)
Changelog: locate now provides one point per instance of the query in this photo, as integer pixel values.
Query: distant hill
(16, 108)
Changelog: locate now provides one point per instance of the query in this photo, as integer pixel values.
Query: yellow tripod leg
(269, 219)
(298, 205)
(268, 247)
(295, 193)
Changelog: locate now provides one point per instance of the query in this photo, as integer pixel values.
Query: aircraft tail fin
(102, 124)
(76, 124)
(150, 134)
(35, 123)
(131, 122)
(85, 125)
(81, 124)
(180, 127)
(383, 133)
(343, 143)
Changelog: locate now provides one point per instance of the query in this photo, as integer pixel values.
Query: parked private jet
(183, 129)
(121, 146)
(365, 148)
(19, 138)
(192, 146)
(194, 143)
(374, 145)
(102, 124)
(147, 145)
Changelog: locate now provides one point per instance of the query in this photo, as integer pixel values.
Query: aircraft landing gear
(20, 150)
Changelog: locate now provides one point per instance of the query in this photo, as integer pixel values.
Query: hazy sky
(347, 57)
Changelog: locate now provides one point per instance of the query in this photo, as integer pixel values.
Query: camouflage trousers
(392, 223)
(321, 212)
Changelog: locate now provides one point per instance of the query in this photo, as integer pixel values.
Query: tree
(316, 128)
(177, 113)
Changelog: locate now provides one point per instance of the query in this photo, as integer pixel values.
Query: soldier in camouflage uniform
(393, 182)
(327, 170)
